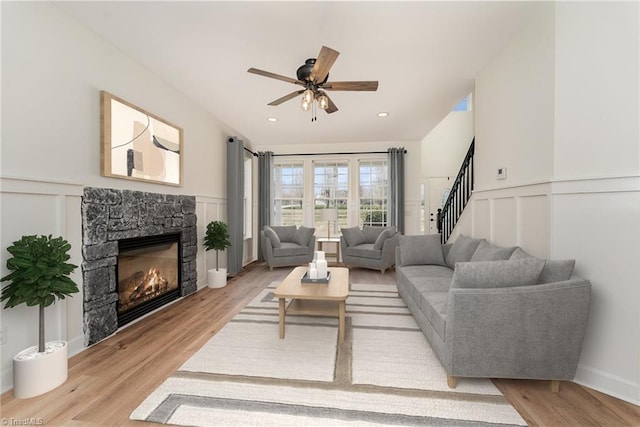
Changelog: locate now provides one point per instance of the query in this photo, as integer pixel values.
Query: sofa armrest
(519, 332)
(267, 247)
(312, 246)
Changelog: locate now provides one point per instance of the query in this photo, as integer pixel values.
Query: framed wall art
(138, 145)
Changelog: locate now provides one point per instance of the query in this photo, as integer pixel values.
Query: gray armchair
(371, 247)
(287, 245)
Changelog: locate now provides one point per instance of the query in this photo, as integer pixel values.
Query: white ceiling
(424, 54)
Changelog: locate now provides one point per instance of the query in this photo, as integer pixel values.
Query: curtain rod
(324, 154)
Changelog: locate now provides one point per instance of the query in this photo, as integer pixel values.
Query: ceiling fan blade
(324, 62)
(286, 98)
(355, 86)
(332, 107)
(275, 76)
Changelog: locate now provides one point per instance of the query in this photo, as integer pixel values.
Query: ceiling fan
(313, 76)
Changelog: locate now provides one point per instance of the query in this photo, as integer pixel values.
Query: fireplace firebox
(148, 274)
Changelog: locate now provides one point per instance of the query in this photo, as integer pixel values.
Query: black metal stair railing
(458, 197)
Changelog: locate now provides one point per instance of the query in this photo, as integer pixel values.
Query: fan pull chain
(314, 117)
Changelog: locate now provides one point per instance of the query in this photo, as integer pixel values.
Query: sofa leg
(452, 382)
(383, 270)
(270, 268)
(555, 386)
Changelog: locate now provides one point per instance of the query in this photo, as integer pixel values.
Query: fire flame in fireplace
(140, 287)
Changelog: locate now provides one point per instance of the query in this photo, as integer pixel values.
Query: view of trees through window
(329, 186)
(288, 193)
(330, 191)
(373, 193)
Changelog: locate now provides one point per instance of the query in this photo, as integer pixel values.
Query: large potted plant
(39, 276)
(217, 238)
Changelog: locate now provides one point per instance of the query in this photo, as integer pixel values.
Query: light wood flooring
(109, 380)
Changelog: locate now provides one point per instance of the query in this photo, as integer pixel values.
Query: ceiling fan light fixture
(323, 101)
(307, 96)
(305, 105)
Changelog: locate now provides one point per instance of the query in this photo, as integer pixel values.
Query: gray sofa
(494, 312)
(287, 245)
(370, 247)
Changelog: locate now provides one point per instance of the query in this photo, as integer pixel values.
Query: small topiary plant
(39, 275)
(217, 238)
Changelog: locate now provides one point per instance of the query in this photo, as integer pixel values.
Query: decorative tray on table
(306, 279)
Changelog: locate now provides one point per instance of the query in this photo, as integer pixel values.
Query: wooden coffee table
(314, 299)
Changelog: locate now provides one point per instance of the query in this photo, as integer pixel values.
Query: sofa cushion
(445, 249)
(519, 253)
(462, 250)
(416, 271)
(386, 234)
(303, 235)
(421, 250)
(364, 250)
(290, 249)
(497, 274)
(354, 236)
(286, 233)
(488, 252)
(557, 270)
(434, 307)
(273, 237)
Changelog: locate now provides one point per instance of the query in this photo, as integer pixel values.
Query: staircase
(460, 194)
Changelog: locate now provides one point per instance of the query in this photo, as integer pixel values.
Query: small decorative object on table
(318, 271)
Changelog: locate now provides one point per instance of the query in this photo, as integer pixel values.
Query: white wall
(412, 168)
(596, 191)
(52, 72)
(559, 107)
(444, 148)
(514, 108)
(443, 151)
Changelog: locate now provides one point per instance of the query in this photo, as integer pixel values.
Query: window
(355, 185)
(464, 105)
(288, 193)
(373, 192)
(330, 190)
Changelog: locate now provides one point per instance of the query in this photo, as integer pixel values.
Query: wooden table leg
(341, 310)
(281, 312)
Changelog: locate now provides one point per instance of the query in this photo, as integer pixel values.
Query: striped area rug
(385, 373)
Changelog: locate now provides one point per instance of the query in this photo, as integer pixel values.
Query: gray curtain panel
(235, 203)
(265, 202)
(396, 188)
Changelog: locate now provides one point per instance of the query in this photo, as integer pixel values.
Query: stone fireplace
(147, 274)
(120, 225)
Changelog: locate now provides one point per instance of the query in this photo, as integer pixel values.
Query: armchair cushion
(286, 233)
(488, 252)
(354, 236)
(273, 237)
(557, 270)
(497, 274)
(303, 235)
(386, 234)
(421, 250)
(364, 250)
(289, 249)
(462, 250)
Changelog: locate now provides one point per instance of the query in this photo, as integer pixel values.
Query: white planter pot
(217, 279)
(37, 373)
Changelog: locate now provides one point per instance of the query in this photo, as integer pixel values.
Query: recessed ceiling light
(383, 114)
(272, 119)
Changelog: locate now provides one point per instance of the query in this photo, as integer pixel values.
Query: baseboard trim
(606, 383)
